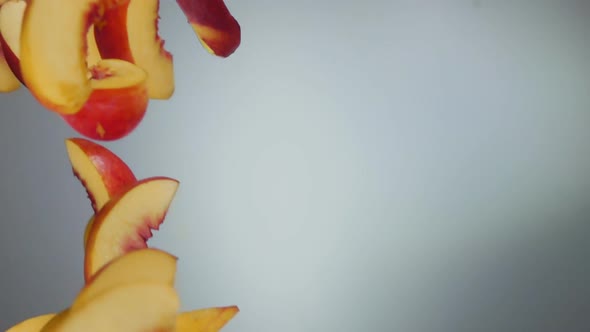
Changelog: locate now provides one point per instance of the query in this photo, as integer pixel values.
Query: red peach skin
(216, 28)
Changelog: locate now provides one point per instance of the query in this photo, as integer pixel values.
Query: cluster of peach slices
(97, 63)
(129, 287)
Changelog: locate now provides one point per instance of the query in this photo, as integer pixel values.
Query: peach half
(105, 101)
(126, 222)
(117, 104)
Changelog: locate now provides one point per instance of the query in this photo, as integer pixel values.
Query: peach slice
(53, 54)
(126, 222)
(205, 320)
(218, 31)
(117, 104)
(137, 307)
(102, 173)
(143, 265)
(34, 324)
(8, 80)
(11, 18)
(130, 32)
(11, 14)
(92, 52)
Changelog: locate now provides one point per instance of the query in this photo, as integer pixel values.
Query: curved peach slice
(53, 52)
(205, 320)
(92, 52)
(102, 173)
(135, 307)
(130, 33)
(217, 30)
(148, 48)
(126, 222)
(34, 324)
(117, 104)
(11, 18)
(8, 80)
(143, 265)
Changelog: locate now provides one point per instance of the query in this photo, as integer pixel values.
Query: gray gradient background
(376, 165)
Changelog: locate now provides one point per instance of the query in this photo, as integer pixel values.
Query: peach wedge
(136, 307)
(11, 19)
(143, 265)
(205, 320)
(34, 324)
(101, 172)
(11, 14)
(217, 30)
(8, 80)
(126, 222)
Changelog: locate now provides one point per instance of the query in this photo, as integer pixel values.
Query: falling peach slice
(126, 222)
(216, 28)
(11, 14)
(143, 265)
(34, 324)
(136, 307)
(205, 320)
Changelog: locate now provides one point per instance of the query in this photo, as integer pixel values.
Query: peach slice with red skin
(205, 320)
(126, 222)
(11, 14)
(130, 32)
(11, 18)
(53, 62)
(104, 102)
(92, 53)
(218, 31)
(8, 80)
(102, 173)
